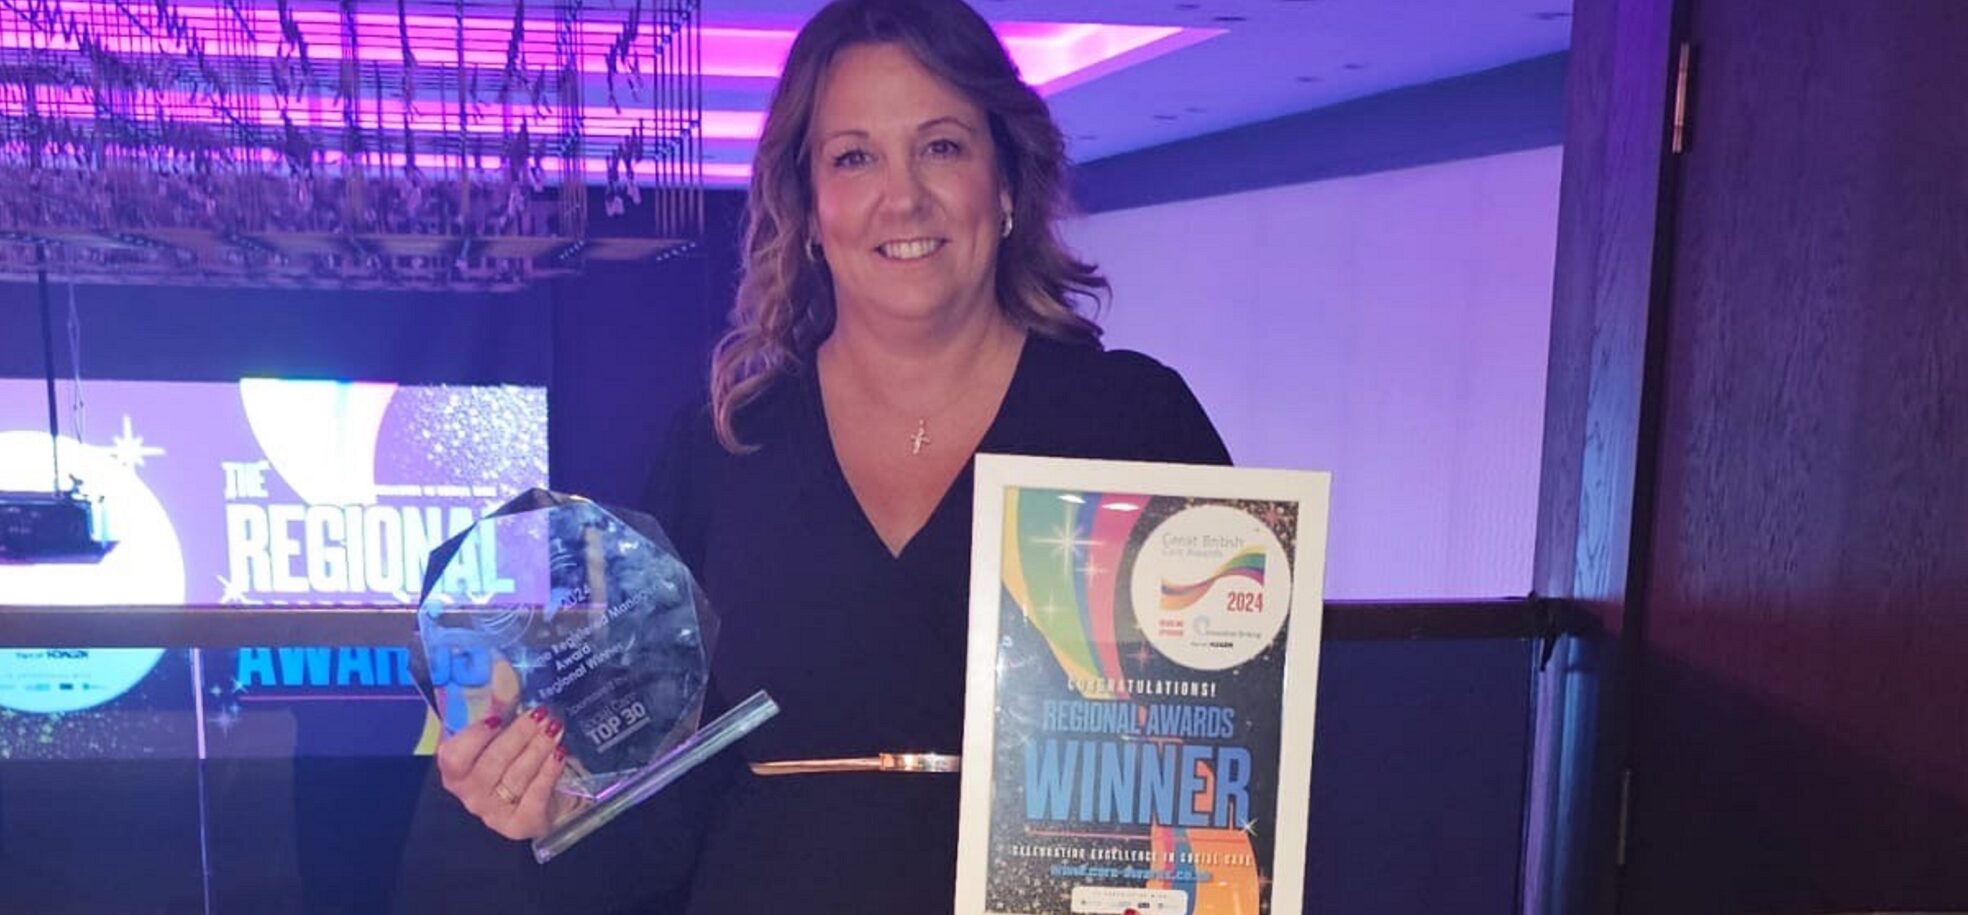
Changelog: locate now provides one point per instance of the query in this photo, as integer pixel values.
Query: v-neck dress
(863, 649)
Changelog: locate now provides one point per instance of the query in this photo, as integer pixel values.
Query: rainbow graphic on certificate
(1247, 565)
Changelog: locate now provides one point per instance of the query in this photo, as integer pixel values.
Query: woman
(906, 303)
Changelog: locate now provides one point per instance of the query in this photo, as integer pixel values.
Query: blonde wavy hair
(785, 305)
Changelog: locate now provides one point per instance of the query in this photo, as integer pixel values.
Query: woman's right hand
(505, 773)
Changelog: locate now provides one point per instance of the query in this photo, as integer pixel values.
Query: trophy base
(642, 784)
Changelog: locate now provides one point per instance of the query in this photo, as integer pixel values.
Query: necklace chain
(920, 439)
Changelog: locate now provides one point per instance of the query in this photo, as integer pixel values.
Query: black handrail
(229, 626)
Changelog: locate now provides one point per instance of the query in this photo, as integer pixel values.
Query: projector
(45, 527)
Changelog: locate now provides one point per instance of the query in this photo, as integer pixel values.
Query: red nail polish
(539, 712)
(560, 752)
(492, 721)
(553, 729)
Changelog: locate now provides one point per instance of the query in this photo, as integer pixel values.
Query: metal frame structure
(466, 144)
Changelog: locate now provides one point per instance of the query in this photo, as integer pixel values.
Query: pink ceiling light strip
(1043, 52)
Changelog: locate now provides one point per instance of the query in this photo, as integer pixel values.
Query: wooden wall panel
(1800, 737)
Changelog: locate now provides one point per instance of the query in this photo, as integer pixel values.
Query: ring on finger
(505, 794)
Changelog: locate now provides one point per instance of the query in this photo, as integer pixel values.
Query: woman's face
(907, 202)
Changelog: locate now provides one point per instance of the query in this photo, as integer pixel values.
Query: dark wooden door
(1799, 736)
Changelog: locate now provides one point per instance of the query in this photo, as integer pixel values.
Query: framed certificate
(1143, 672)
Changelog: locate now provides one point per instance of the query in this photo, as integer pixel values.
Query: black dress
(864, 651)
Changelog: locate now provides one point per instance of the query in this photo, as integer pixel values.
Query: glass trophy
(555, 601)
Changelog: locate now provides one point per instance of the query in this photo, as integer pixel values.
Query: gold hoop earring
(812, 251)
(1006, 232)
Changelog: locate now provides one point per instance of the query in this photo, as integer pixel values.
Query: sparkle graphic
(1065, 544)
(129, 449)
(1141, 654)
(524, 663)
(234, 595)
(226, 719)
(1250, 826)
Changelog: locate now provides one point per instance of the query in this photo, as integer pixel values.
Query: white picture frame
(1164, 491)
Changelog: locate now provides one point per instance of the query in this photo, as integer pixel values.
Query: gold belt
(886, 762)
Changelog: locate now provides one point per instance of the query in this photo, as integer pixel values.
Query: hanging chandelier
(465, 144)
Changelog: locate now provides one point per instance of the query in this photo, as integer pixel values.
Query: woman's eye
(851, 159)
(945, 147)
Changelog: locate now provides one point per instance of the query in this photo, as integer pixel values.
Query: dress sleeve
(665, 835)
(678, 491)
(1186, 428)
(1166, 422)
